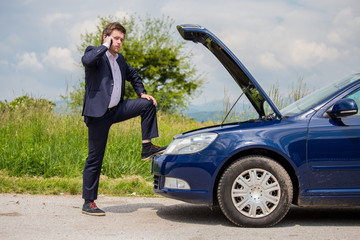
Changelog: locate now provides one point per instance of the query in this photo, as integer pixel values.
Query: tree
(26, 103)
(150, 48)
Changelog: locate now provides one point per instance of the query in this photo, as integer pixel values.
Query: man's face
(117, 41)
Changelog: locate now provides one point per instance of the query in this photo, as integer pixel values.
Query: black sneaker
(92, 209)
(153, 151)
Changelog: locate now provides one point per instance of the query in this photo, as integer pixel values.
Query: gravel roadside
(60, 217)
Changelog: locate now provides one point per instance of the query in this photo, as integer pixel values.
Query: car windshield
(316, 97)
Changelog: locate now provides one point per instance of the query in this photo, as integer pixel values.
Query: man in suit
(105, 73)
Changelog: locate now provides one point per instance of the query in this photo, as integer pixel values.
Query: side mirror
(343, 108)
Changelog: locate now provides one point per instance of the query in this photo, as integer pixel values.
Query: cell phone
(110, 39)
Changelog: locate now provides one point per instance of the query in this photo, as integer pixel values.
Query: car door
(333, 151)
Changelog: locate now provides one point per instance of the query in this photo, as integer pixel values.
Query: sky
(278, 41)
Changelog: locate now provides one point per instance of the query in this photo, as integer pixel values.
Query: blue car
(307, 154)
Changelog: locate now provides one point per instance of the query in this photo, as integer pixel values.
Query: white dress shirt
(116, 92)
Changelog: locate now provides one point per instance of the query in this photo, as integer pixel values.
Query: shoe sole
(153, 155)
(93, 214)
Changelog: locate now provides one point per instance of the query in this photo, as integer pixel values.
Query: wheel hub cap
(255, 193)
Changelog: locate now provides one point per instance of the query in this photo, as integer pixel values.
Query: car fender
(265, 148)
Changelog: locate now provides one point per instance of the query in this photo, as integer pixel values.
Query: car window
(356, 97)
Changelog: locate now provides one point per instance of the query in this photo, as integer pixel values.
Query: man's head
(117, 33)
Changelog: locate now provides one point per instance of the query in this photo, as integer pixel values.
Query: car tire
(255, 191)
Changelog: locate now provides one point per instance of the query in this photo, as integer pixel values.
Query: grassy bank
(123, 186)
(39, 145)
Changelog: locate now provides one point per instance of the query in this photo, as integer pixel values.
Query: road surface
(60, 217)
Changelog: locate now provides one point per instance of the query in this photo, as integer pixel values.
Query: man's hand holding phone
(109, 40)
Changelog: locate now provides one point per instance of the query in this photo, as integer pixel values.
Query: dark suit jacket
(99, 80)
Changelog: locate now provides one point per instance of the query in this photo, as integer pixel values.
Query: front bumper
(196, 169)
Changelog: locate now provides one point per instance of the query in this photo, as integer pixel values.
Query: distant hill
(205, 116)
(205, 112)
(213, 111)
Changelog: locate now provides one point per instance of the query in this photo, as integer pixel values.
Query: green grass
(125, 186)
(41, 150)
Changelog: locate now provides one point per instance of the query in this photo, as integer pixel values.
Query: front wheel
(255, 191)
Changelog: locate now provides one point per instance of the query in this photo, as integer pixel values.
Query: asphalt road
(60, 217)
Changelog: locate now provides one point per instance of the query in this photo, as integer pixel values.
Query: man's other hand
(148, 97)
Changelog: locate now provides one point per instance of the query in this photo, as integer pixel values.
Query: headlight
(191, 144)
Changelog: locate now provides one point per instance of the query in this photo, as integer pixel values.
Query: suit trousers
(98, 131)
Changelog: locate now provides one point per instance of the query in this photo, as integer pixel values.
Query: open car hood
(237, 70)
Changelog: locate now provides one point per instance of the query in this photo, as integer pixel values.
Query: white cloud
(344, 28)
(269, 61)
(346, 17)
(334, 37)
(29, 60)
(56, 57)
(60, 58)
(311, 39)
(74, 32)
(292, 38)
(54, 17)
(304, 53)
(122, 14)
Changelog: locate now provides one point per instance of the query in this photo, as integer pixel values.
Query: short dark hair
(111, 27)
